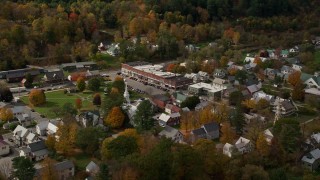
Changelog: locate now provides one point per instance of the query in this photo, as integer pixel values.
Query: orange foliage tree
(37, 97)
(78, 103)
(227, 133)
(171, 67)
(6, 114)
(294, 78)
(115, 118)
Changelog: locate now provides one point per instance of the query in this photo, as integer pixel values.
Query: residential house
(169, 119)
(228, 149)
(268, 135)
(312, 160)
(312, 81)
(65, 170)
(286, 69)
(287, 108)
(243, 145)
(253, 88)
(229, 91)
(18, 74)
(86, 75)
(219, 73)
(195, 77)
(192, 48)
(4, 148)
(171, 133)
(113, 49)
(160, 100)
(202, 105)
(206, 131)
(47, 128)
(254, 117)
(220, 83)
(178, 98)
(295, 49)
(24, 119)
(89, 118)
(270, 73)
(92, 168)
(284, 53)
(20, 134)
(54, 77)
(262, 95)
(315, 138)
(246, 94)
(250, 66)
(204, 76)
(36, 151)
(171, 109)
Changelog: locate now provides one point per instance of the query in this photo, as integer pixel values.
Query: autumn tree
(119, 83)
(67, 134)
(78, 104)
(227, 133)
(115, 118)
(6, 114)
(37, 97)
(249, 103)
(119, 147)
(206, 115)
(221, 113)
(254, 172)
(51, 142)
(236, 38)
(171, 67)
(81, 84)
(262, 145)
(96, 99)
(48, 170)
(298, 91)
(262, 104)
(257, 60)
(294, 78)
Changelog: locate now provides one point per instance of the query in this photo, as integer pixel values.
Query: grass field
(111, 62)
(58, 99)
(317, 56)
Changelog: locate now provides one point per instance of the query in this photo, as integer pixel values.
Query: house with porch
(311, 160)
(171, 133)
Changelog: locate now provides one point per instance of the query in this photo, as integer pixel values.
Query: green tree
(254, 172)
(104, 172)
(29, 81)
(190, 102)
(81, 84)
(143, 117)
(69, 109)
(88, 139)
(119, 83)
(23, 168)
(241, 76)
(288, 132)
(122, 146)
(94, 84)
(5, 94)
(238, 119)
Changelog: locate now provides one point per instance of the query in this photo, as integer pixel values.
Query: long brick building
(154, 75)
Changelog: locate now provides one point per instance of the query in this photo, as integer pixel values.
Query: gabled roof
(92, 167)
(253, 88)
(21, 131)
(199, 132)
(312, 156)
(164, 117)
(31, 136)
(211, 127)
(242, 142)
(172, 107)
(37, 146)
(218, 81)
(169, 132)
(54, 75)
(64, 165)
(305, 76)
(287, 105)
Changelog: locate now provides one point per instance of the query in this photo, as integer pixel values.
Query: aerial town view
(160, 90)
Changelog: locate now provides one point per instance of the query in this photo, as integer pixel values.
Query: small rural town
(166, 89)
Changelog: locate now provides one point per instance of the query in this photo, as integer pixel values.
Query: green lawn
(81, 161)
(58, 99)
(111, 62)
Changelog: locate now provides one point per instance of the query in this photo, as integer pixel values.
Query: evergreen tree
(23, 168)
(238, 119)
(143, 117)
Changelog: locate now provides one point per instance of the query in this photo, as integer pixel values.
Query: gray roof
(41, 152)
(54, 75)
(287, 105)
(169, 132)
(78, 64)
(92, 167)
(37, 146)
(199, 132)
(64, 165)
(202, 105)
(312, 156)
(210, 127)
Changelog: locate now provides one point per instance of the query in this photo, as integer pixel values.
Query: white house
(171, 133)
(313, 82)
(268, 135)
(228, 149)
(243, 145)
(311, 160)
(46, 128)
(92, 168)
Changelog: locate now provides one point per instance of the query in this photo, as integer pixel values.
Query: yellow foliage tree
(249, 103)
(67, 137)
(131, 133)
(115, 118)
(221, 113)
(48, 171)
(232, 71)
(105, 154)
(262, 145)
(206, 115)
(227, 133)
(262, 103)
(37, 97)
(6, 114)
(236, 37)
(50, 142)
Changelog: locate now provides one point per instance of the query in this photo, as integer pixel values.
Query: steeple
(126, 93)
(277, 115)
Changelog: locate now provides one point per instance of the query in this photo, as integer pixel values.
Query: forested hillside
(50, 32)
